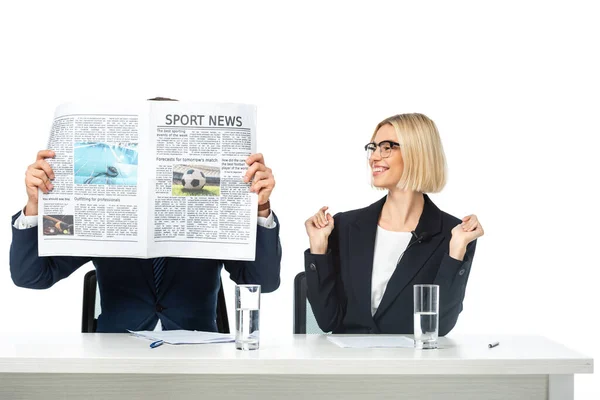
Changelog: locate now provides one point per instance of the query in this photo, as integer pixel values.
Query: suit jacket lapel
(414, 258)
(148, 272)
(168, 276)
(362, 248)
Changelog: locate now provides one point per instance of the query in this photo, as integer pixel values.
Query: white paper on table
(372, 341)
(184, 337)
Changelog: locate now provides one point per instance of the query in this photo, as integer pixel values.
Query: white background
(513, 87)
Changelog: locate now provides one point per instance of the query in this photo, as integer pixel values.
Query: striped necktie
(159, 271)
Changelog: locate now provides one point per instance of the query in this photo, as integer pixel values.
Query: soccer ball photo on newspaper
(196, 180)
(193, 179)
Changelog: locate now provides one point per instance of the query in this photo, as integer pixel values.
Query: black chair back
(88, 319)
(222, 320)
(300, 303)
(304, 319)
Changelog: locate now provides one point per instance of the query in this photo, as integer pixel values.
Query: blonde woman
(362, 264)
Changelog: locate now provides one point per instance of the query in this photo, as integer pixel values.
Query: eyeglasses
(385, 148)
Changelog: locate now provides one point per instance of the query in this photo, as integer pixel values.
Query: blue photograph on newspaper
(97, 163)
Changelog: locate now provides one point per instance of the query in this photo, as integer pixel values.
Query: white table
(118, 366)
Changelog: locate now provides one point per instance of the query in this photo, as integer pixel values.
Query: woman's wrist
(457, 250)
(318, 247)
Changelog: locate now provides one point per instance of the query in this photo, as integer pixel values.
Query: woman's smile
(379, 169)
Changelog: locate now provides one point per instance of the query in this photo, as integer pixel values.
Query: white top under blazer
(389, 246)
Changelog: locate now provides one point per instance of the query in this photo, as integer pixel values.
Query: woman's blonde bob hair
(422, 152)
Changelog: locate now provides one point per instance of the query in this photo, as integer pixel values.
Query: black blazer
(339, 282)
(188, 295)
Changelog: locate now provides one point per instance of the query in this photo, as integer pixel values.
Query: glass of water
(426, 317)
(247, 309)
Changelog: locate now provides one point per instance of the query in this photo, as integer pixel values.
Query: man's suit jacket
(188, 294)
(339, 282)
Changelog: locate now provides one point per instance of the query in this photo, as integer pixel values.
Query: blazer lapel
(414, 258)
(362, 248)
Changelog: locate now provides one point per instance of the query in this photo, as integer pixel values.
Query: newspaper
(150, 179)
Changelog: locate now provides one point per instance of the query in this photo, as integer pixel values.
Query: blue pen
(154, 345)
